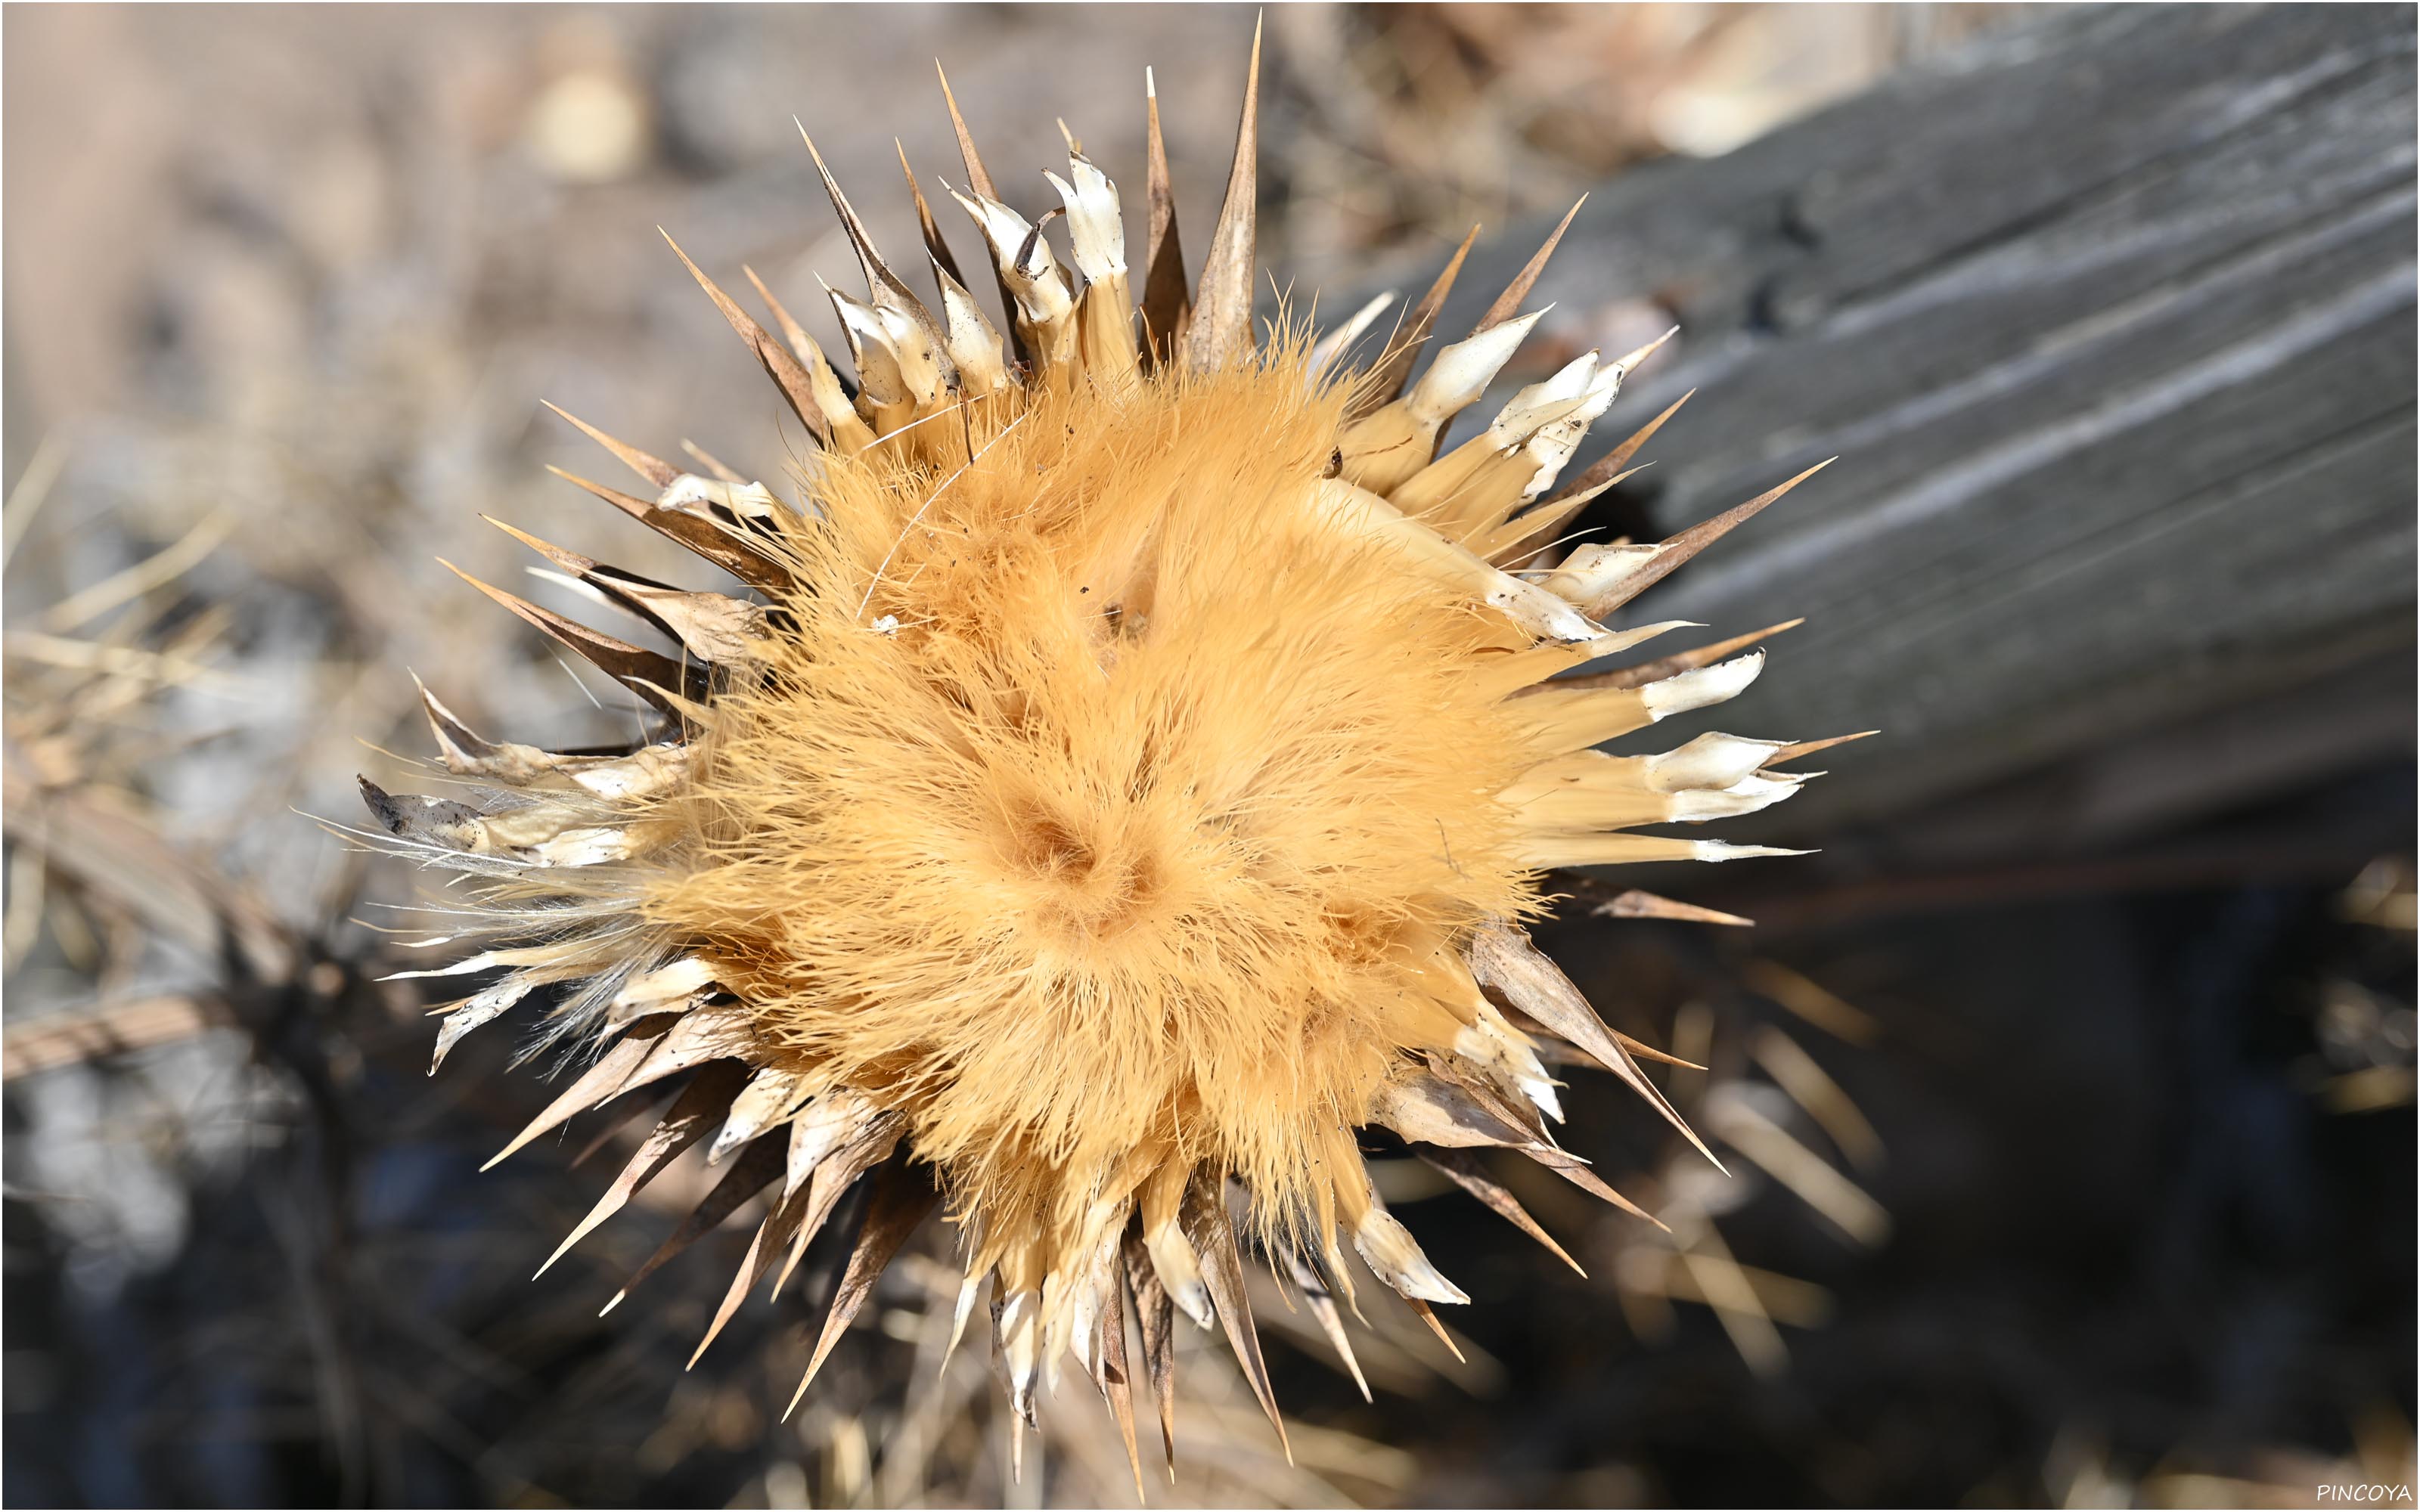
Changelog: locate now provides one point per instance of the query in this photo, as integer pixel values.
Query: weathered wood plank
(2113, 325)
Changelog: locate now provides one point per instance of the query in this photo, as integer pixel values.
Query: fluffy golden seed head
(1122, 811)
(1137, 763)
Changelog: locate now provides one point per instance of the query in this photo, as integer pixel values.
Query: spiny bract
(1123, 784)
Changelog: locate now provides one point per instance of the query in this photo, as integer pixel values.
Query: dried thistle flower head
(1125, 784)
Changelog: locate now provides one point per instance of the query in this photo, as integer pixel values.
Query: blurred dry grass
(283, 289)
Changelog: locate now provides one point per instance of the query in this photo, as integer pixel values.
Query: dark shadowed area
(2066, 1094)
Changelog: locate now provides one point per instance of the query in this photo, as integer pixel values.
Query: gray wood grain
(2112, 325)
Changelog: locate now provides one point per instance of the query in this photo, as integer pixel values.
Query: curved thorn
(653, 469)
(1508, 303)
(1634, 903)
(643, 671)
(900, 1203)
(1385, 381)
(977, 179)
(1809, 747)
(1220, 331)
(1681, 547)
(787, 373)
(1469, 1172)
(939, 249)
(1166, 299)
(701, 536)
(1679, 662)
(1205, 1222)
